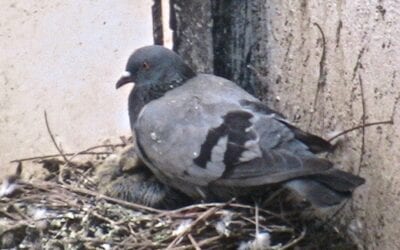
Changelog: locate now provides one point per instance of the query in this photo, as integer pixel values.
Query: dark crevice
(158, 35)
(237, 32)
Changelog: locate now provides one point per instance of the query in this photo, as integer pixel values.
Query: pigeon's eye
(145, 66)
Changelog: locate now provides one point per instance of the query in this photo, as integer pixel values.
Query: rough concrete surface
(328, 66)
(351, 50)
(64, 57)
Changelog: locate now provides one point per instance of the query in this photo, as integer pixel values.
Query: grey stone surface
(335, 79)
(329, 66)
(191, 22)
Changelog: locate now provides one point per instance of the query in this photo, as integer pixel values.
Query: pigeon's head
(153, 67)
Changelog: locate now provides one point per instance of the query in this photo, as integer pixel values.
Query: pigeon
(207, 137)
(121, 176)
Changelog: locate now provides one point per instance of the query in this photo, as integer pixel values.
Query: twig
(295, 241)
(100, 196)
(272, 197)
(101, 217)
(57, 155)
(54, 140)
(201, 243)
(330, 219)
(26, 199)
(123, 242)
(194, 243)
(209, 240)
(61, 172)
(101, 241)
(118, 201)
(10, 215)
(219, 204)
(261, 210)
(257, 220)
(255, 223)
(83, 152)
(53, 195)
(16, 226)
(360, 126)
(203, 216)
(95, 147)
(363, 119)
(190, 207)
(20, 213)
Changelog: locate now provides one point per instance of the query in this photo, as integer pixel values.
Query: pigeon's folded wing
(209, 130)
(315, 143)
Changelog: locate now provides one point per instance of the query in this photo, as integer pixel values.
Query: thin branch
(255, 223)
(363, 119)
(101, 217)
(44, 185)
(359, 127)
(257, 220)
(96, 147)
(210, 240)
(295, 241)
(194, 243)
(83, 152)
(117, 201)
(10, 215)
(54, 140)
(330, 219)
(201, 243)
(200, 205)
(203, 216)
(57, 155)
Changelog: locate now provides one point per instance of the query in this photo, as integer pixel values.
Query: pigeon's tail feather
(316, 193)
(327, 189)
(339, 180)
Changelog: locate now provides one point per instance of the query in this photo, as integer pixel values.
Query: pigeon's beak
(125, 78)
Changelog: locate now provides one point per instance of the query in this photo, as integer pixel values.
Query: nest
(64, 210)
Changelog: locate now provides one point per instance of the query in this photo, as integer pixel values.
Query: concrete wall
(360, 65)
(328, 66)
(64, 57)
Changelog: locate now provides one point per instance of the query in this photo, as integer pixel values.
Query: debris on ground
(63, 209)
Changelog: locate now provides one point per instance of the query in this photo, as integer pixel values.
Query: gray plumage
(121, 176)
(207, 137)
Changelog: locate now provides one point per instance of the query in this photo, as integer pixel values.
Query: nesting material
(64, 210)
